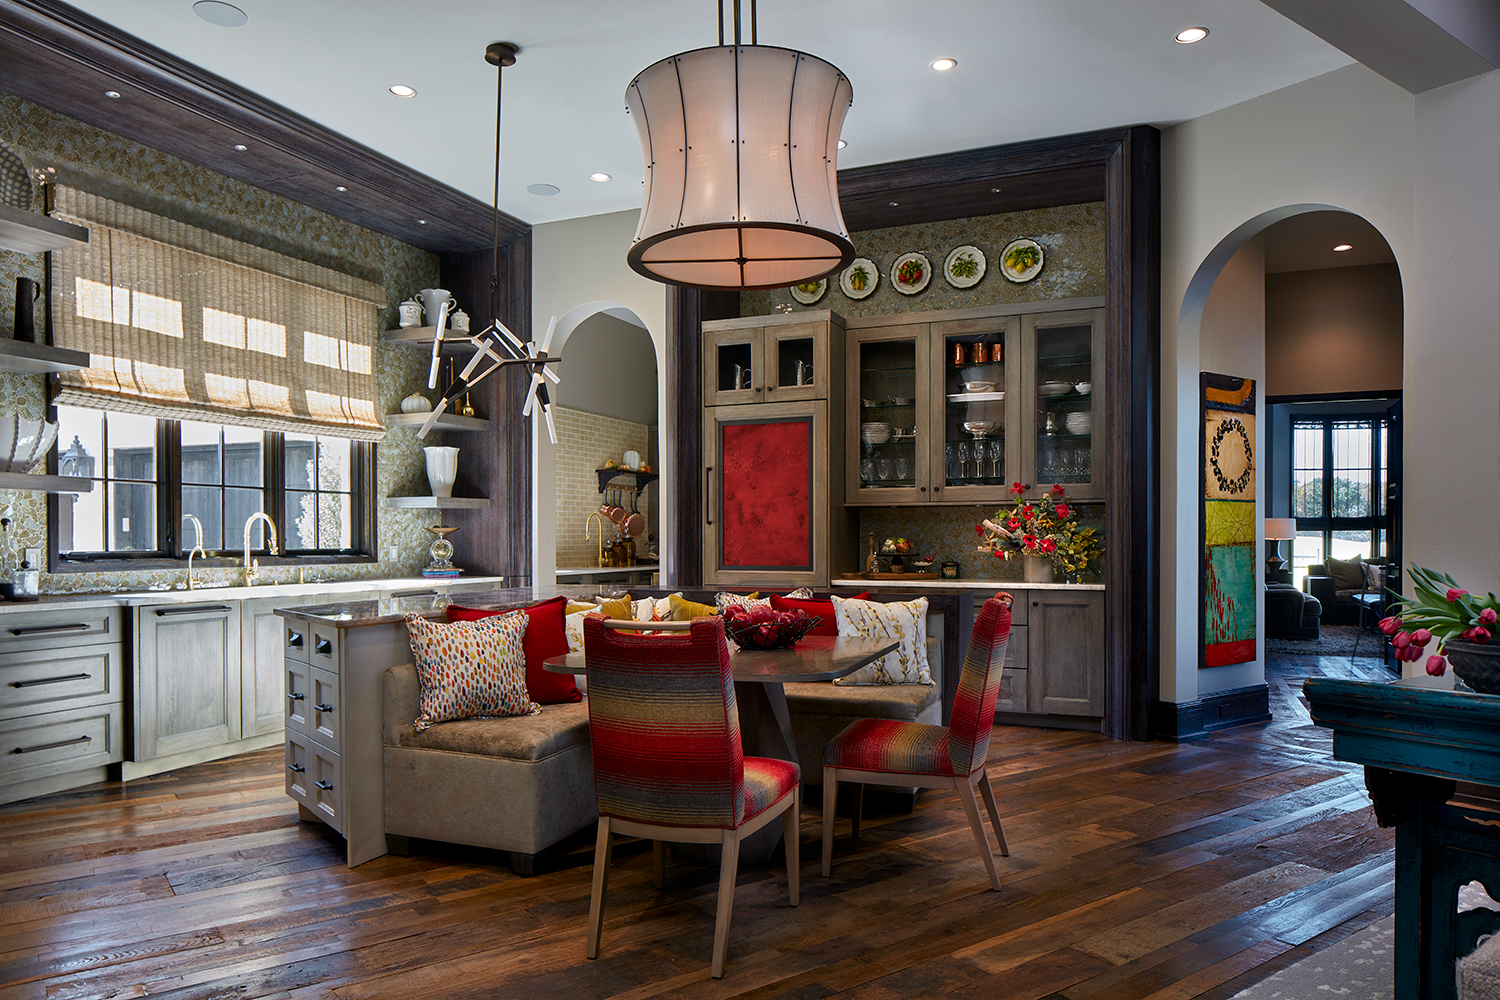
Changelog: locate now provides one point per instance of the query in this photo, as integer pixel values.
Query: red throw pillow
(815, 608)
(546, 637)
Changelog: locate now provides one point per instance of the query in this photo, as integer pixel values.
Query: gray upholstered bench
(518, 784)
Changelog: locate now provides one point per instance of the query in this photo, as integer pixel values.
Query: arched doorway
(608, 402)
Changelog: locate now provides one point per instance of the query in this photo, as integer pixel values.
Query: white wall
(1344, 140)
(577, 262)
(609, 369)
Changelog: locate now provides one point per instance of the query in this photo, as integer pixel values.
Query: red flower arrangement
(1047, 528)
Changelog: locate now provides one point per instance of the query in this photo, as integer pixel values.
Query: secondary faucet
(589, 538)
(197, 549)
(252, 569)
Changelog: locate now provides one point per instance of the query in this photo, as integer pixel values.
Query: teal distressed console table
(1418, 738)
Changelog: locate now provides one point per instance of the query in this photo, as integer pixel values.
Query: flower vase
(1038, 570)
(442, 469)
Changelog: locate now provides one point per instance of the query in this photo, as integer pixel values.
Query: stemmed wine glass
(963, 459)
(995, 449)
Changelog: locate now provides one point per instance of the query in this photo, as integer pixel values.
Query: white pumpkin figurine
(416, 403)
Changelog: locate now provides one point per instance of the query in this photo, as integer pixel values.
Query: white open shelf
(46, 484)
(446, 422)
(39, 359)
(438, 503)
(29, 232)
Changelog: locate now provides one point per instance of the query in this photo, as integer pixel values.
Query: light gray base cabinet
(61, 699)
(1056, 654)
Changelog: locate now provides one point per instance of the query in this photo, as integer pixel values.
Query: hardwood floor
(1137, 870)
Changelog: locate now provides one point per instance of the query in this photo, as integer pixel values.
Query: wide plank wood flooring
(1137, 870)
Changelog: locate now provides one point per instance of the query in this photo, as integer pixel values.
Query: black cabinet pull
(323, 706)
(296, 696)
(44, 629)
(325, 785)
(54, 746)
(708, 489)
(198, 609)
(1036, 604)
(937, 489)
(294, 639)
(924, 489)
(50, 680)
(323, 647)
(296, 768)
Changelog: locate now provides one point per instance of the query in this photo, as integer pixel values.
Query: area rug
(1360, 967)
(1333, 640)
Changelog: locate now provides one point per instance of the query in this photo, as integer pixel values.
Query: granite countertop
(859, 584)
(389, 610)
(135, 598)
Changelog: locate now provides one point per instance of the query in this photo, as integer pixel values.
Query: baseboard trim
(132, 770)
(1188, 720)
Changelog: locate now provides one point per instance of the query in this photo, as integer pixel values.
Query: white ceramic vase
(442, 469)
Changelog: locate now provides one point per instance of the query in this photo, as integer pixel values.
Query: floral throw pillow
(573, 623)
(904, 621)
(470, 670)
(725, 601)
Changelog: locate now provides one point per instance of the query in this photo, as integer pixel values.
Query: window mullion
(169, 486)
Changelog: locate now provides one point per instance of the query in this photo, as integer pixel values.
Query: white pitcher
(442, 469)
(432, 302)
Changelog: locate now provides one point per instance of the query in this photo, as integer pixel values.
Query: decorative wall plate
(964, 267)
(859, 279)
(15, 183)
(910, 273)
(1022, 260)
(809, 291)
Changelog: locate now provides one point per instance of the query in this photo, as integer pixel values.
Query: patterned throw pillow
(754, 600)
(1374, 577)
(905, 621)
(573, 623)
(470, 670)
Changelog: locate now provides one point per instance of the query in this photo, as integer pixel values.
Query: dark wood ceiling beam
(64, 60)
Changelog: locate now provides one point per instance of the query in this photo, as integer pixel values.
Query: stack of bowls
(1079, 422)
(875, 432)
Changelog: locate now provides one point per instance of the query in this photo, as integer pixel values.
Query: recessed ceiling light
(600, 176)
(894, 204)
(113, 95)
(225, 15)
(843, 143)
(994, 190)
(1342, 247)
(341, 189)
(1188, 36)
(421, 222)
(240, 147)
(545, 190)
(401, 90)
(944, 65)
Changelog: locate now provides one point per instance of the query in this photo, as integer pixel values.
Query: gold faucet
(589, 538)
(252, 569)
(197, 548)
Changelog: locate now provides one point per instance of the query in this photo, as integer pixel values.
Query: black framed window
(1340, 471)
(158, 483)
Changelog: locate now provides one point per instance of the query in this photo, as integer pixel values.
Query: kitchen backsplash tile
(948, 533)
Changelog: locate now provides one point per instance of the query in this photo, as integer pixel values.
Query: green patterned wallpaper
(90, 158)
(1071, 237)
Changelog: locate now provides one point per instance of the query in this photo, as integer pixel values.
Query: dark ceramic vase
(1476, 665)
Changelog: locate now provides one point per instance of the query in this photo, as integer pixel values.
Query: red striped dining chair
(927, 756)
(667, 759)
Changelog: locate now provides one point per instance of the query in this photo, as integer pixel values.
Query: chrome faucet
(197, 549)
(252, 569)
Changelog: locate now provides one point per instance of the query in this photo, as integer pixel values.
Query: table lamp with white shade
(1278, 529)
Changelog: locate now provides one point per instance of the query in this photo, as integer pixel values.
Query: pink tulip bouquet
(1440, 610)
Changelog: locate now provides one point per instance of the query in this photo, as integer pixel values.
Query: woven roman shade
(185, 324)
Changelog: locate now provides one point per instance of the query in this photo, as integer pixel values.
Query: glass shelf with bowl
(1064, 386)
(980, 402)
(889, 394)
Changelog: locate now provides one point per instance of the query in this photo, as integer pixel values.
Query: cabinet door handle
(197, 609)
(45, 629)
(1036, 604)
(50, 680)
(296, 768)
(924, 489)
(323, 706)
(937, 489)
(323, 647)
(708, 493)
(757, 388)
(54, 746)
(296, 696)
(294, 639)
(327, 786)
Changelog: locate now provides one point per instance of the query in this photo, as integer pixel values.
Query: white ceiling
(1026, 70)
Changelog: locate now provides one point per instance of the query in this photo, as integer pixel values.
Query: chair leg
(971, 809)
(791, 839)
(659, 861)
(858, 807)
(729, 869)
(988, 794)
(830, 799)
(601, 883)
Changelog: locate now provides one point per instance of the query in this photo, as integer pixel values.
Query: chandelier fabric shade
(740, 147)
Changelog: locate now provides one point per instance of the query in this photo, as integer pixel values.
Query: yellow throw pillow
(617, 608)
(682, 609)
(576, 606)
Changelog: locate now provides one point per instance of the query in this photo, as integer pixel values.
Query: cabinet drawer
(323, 647)
(294, 641)
(1012, 697)
(47, 680)
(54, 629)
(324, 711)
(298, 696)
(315, 777)
(40, 746)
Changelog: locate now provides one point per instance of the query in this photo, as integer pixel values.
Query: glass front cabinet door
(1063, 385)
(976, 374)
(770, 359)
(888, 456)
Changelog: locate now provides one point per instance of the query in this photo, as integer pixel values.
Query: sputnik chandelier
(740, 148)
(495, 347)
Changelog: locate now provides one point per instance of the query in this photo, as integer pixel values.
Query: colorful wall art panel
(1230, 573)
(767, 494)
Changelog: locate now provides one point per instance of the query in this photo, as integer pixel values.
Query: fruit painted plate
(810, 291)
(910, 273)
(964, 267)
(859, 279)
(1021, 260)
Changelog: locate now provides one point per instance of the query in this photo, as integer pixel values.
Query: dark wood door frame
(1120, 167)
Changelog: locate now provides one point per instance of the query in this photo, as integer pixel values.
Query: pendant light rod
(498, 55)
(754, 34)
